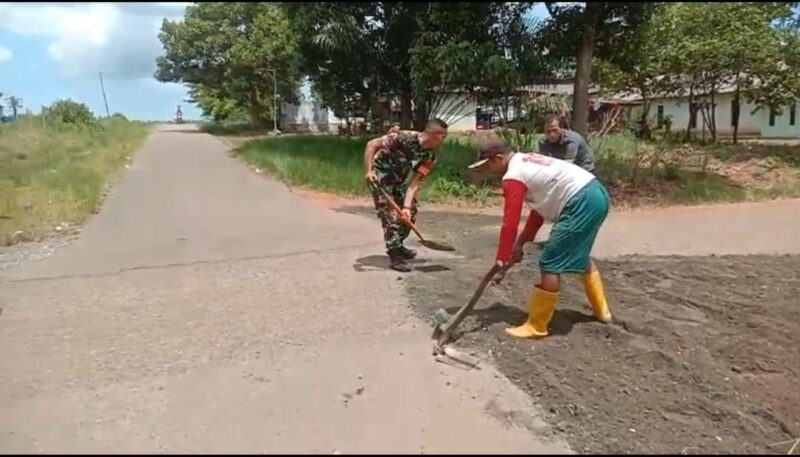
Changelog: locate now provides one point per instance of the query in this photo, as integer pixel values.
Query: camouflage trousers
(395, 231)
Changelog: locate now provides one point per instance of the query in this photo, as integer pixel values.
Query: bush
(70, 112)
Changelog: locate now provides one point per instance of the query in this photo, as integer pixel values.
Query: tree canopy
(361, 57)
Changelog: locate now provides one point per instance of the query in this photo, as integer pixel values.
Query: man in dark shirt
(566, 145)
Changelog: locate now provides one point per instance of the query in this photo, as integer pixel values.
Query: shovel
(430, 244)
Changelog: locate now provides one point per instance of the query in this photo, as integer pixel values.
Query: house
(762, 123)
(463, 113)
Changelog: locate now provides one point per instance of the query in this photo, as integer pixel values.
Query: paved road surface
(207, 309)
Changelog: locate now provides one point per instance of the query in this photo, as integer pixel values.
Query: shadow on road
(500, 313)
(381, 262)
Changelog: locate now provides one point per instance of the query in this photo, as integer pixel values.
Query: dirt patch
(703, 356)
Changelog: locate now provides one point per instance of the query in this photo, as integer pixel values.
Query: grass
(230, 128)
(637, 173)
(58, 173)
(336, 164)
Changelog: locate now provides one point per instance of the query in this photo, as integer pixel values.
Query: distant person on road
(565, 144)
(560, 192)
(389, 162)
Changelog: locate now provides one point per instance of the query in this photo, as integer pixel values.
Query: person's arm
(373, 146)
(422, 171)
(513, 197)
(532, 226)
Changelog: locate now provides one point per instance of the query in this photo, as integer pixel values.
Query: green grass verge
(336, 164)
(58, 173)
(696, 189)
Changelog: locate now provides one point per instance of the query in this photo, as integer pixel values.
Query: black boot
(407, 254)
(397, 261)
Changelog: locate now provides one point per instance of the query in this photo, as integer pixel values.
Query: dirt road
(208, 310)
(704, 352)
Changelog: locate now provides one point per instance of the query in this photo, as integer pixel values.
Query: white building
(763, 123)
(463, 113)
(308, 116)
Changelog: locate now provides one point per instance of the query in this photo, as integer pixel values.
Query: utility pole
(103, 89)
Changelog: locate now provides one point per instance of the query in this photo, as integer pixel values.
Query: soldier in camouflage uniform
(388, 164)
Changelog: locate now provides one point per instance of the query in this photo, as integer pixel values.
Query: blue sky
(51, 51)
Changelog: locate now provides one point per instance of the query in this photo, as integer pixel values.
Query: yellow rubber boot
(596, 296)
(541, 307)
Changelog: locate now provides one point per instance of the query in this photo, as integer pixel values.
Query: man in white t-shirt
(556, 191)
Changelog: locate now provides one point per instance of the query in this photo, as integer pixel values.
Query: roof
(633, 95)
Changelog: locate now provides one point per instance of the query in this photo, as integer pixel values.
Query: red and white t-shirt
(545, 184)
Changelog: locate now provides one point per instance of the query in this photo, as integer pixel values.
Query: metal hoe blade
(442, 331)
(436, 245)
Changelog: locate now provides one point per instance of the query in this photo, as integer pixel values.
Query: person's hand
(504, 266)
(405, 214)
(371, 177)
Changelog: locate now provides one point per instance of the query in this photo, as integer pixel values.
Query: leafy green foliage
(70, 112)
(577, 33)
(232, 55)
(484, 49)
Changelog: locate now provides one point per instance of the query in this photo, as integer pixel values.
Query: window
(772, 117)
(660, 115)
(792, 113)
(734, 112)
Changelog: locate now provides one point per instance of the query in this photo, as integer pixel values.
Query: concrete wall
(755, 125)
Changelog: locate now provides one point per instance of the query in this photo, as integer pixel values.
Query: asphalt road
(207, 309)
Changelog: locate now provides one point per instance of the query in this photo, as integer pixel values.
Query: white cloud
(5, 54)
(121, 39)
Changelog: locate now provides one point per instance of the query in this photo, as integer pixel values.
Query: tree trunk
(645, 133)
(692, 114)
(713, 115)
(583, 72)
(405, 109)
(420, 115)
(737, 101)
(256, 109)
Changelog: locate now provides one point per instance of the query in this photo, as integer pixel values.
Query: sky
(51, 51)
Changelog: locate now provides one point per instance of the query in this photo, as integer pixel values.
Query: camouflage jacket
(400, 155)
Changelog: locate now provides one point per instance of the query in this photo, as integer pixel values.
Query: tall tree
(486, 50)
(366, 46)
(15, 103)
(577, 33)
(339, 49)
(237, 51)
(640, 65)
(732, 46)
